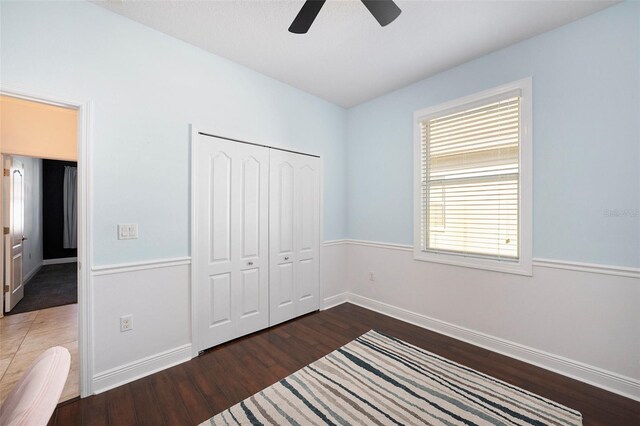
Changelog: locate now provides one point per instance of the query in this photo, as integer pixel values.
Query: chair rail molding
(596, 268)
(139, 266)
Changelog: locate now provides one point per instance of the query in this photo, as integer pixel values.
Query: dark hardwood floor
(196, 390)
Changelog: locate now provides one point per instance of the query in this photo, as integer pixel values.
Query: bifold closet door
(232, 215)
(294, 235)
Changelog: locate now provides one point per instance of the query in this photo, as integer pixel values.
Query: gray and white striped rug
(377, 379)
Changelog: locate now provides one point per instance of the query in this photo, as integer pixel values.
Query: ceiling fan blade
(385, 11)
(306, 16)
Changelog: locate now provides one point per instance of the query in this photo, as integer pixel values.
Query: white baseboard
(622, 385)
(135, 370)
(60, 260)
(31, 274)
(335, 300)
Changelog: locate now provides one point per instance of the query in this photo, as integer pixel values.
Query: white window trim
(523, 266)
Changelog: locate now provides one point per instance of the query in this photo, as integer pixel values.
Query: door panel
(307, 205)
(220, 207)
(295, 223)
(284, 288)
(284, 206)
(307, 228)
(251, 208)
(232, 189)
(220, 299)
(307, 282)
(13, 241)
(250, 292)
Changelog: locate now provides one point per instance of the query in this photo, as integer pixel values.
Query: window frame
(522, 266)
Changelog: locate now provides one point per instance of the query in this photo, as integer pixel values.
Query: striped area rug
(378, 379)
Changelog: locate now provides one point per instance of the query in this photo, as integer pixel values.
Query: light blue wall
(586, 140)
(146, 89)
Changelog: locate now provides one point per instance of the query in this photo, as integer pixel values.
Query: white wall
(586, 133)
(158, 296)
(582, 324)
(32, 215)
(146, 88)
(333, 273)
(586, 165)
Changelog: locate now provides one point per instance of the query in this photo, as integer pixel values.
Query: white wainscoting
(579, 320)
(575, 319)
(333, 273)
(157, 294)
(140, 368)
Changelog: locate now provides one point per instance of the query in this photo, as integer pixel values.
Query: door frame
(239, 138)
(85, 257)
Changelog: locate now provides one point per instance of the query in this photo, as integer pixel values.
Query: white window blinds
(470, 181)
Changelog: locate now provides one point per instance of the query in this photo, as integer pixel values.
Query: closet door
(232, 207)
(294, 240)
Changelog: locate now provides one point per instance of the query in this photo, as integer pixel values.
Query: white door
(232, 207)
(294, 227)
(14, 238)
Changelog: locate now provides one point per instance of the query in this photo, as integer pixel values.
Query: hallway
(25, 336)
(53, 285)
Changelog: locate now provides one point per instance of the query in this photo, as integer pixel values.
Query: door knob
(24, 238)
(286, 258)
(249, 263)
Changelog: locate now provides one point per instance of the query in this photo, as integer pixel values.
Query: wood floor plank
(233, 389)
(121, 406)
(255, 367)
(209, 386)
(148, 411)
(69, 414)
(174, 411)
(196, 405)
(251, 383)
(95, 411)
(196, 390)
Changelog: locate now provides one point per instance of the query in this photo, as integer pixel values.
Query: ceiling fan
(385, 12)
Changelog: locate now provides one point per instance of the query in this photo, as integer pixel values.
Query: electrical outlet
(126, 322)
(372, 276)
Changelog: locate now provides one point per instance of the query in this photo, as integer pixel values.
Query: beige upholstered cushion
(34, 398)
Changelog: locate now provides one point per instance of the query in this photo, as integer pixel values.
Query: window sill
(520, 267)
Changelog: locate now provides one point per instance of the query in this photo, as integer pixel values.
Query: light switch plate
(133, 231)
(128, 231)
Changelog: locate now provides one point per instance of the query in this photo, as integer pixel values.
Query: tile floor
(23, 337)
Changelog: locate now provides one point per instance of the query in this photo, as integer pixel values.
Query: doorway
(41, 247)
(44, 150)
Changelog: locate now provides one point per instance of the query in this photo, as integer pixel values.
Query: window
(473, 181)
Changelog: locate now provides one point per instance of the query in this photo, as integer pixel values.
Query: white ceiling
(346, 57)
